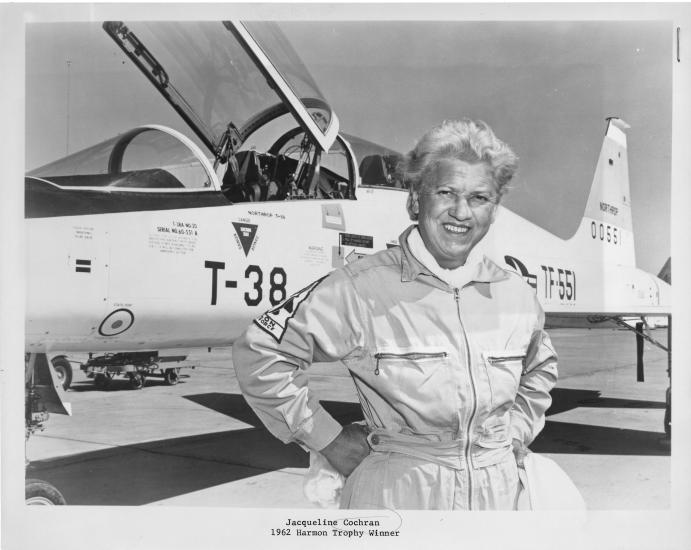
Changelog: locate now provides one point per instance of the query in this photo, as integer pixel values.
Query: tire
(63, 370)
(171, 377)
(42, 493)
(136, 381)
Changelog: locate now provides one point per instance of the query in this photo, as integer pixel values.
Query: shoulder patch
(275, 321)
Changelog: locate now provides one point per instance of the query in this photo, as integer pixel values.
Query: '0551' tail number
(559, 282)
(605, 232)
(254, 273)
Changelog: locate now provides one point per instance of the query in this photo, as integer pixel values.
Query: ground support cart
(136, 366)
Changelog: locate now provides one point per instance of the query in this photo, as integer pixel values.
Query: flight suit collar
(486, 271)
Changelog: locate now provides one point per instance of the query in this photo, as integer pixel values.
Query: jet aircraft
(158, 241)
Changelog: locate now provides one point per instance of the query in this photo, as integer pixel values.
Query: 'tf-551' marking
(565, 281)
(277, 280)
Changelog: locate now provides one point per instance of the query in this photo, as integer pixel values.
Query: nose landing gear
(42, 493)
(42, 388)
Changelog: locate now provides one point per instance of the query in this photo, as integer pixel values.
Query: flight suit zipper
(507, 358)
(457, 297)
(494, 360)
(411, 355)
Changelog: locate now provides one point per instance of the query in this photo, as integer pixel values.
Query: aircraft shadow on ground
(565, 399)
(121, 383)
(149, 472)
(565, 437)
(569, 438)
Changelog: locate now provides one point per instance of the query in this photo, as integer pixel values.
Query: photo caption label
(348, 528)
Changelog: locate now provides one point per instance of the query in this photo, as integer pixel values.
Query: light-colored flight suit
(446, 377)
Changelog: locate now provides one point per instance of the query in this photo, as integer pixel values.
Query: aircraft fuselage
(198, 276)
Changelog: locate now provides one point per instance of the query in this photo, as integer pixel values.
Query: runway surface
(198, 443)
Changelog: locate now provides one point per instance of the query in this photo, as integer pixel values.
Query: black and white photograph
(309, 275)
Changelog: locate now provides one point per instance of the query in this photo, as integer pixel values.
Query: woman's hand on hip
(348, 449)
(519, 450)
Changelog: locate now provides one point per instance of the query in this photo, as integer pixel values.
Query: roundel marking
(116, 322)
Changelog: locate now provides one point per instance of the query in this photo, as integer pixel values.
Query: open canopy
(219, 76)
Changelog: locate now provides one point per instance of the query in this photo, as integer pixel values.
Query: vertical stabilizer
(606, 227)
(610, 197)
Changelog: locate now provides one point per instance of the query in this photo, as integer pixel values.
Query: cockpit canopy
(219, 76)
(148, 157)
(264, 130)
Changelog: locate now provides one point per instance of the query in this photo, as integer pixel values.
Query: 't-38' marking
(277, 283)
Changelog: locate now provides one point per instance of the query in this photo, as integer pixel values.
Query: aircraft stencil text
(559, 282)
(255, 275)
(605, 232)
(608, 208)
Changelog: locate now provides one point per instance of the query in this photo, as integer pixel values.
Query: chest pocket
(420, 387)
(504, 370)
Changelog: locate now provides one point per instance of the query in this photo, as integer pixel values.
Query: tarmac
(198, 443)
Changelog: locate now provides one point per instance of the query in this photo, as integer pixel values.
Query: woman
(446, 348)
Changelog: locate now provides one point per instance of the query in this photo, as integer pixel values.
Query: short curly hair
(467, 140)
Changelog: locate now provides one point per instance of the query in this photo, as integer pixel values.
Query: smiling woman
(456, 174)
(446, 348)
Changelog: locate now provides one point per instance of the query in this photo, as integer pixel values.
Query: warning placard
(361, 241)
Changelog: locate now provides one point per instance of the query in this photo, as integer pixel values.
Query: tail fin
(606, 226)
(610, 197)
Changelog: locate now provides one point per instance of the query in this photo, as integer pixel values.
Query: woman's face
(456, 205)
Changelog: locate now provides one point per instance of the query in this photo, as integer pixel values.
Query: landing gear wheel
(63, 370)
(171, 377)
(42, 493)
(102, 381)
(136, 380)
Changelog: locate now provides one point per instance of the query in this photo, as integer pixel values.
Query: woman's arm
(320, 323)
(539, 377)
